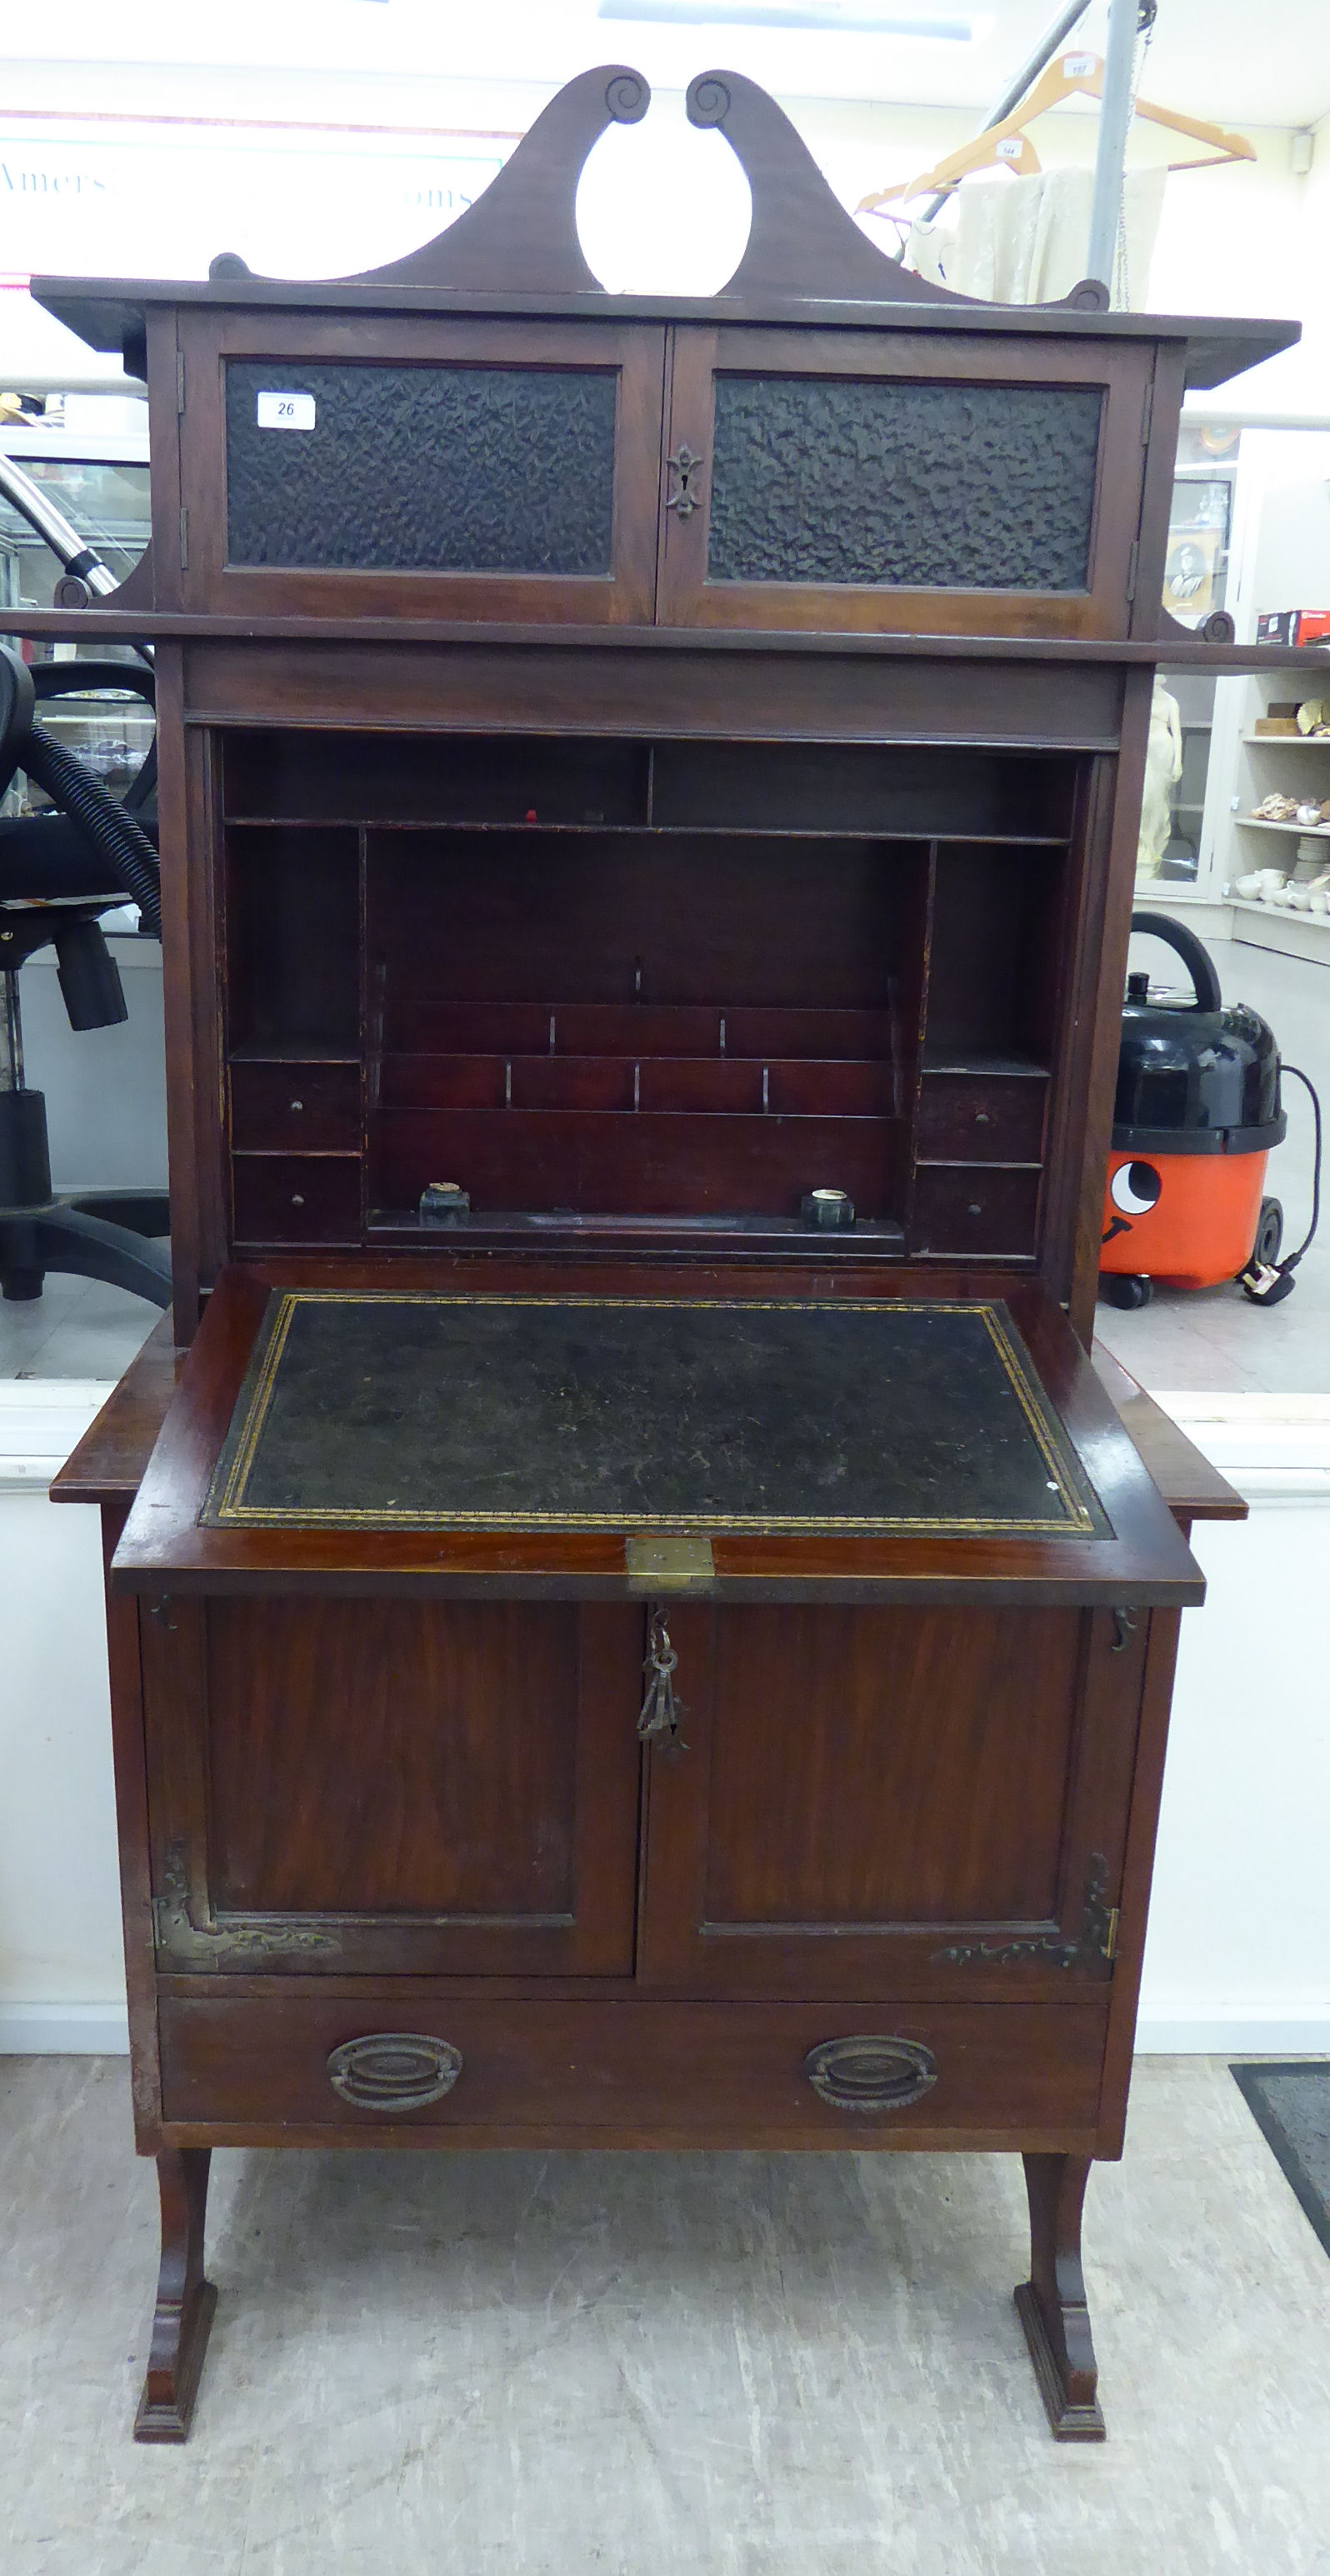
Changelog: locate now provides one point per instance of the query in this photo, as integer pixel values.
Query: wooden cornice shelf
(182, 626)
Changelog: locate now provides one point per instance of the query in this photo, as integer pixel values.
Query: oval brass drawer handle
(394, 2070)
(870, 2074)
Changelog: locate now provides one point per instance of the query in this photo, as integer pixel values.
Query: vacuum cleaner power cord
(1267, 1282)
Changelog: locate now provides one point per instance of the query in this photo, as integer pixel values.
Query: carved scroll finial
(523, 231)
(1218, 628)
(802, 242)
(627, 96)
(708, 100)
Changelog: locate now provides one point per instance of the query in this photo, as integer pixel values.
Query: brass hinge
(1148, 412)
(1132, 561)
(179, 380)
(1091, 1947)
(184, 540)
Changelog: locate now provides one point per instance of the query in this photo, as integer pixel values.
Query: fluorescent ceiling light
(822, 17)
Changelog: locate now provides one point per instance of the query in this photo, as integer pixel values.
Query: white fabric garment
(1023, 241)
(1163, 769)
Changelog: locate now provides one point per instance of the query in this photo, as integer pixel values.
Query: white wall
(61, 1972)
(1238, 1954)
(105, 1088)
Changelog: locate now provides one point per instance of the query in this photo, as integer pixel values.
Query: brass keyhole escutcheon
(684, 462)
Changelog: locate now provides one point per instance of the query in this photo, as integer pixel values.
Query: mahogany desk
(610, 1646)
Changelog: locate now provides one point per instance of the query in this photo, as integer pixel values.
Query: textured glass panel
(944, 487)
(423, 469)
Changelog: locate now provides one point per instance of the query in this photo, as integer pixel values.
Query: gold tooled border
(229, 1508)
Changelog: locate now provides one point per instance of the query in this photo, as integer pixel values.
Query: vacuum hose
(115, 833)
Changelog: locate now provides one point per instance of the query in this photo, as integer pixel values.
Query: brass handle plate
(868, 2073)
(394, 2070)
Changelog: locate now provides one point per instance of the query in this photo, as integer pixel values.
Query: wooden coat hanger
(1068, 74)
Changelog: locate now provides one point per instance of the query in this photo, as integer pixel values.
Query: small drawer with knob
(295, 1198)
(975, 1208)
(627, 2070)
(296, 1108)
(981, 1118)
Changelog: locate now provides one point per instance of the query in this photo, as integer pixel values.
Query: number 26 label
(285, 411)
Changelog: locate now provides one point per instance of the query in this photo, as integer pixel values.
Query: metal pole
(1016, 87)
(11, 1033)
(60, 534)
(1114, 119)
(54, 529)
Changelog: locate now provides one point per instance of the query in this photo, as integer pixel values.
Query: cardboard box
(1294, 626)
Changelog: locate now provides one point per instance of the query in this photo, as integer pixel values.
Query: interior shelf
(884, 833)
(305, 1050)
(975, 1062)
(634, 988)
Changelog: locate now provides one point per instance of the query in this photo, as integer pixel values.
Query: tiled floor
(76, 1328)
(740, 2365)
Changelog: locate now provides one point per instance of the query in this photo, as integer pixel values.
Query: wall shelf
(1300, 831)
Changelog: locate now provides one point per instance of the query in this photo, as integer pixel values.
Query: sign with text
(161, 200)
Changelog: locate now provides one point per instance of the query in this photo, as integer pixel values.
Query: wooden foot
(185, 2301)
(1051, 2304)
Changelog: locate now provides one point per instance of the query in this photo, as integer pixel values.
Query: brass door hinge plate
(669, 1561)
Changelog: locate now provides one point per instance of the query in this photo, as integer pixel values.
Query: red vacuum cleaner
(1197, 1112)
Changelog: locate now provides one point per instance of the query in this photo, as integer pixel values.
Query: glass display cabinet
(105, 496)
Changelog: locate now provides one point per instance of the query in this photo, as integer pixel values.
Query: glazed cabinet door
(435, 469)
(391, 1785)
(879, 482)
(891, 1801)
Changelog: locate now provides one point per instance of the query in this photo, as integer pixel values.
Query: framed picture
(1196, 565)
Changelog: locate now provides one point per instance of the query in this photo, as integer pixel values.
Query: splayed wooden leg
(185, 2301)
(1051, 2304)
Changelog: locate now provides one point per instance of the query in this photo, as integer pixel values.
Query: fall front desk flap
(495, 1413)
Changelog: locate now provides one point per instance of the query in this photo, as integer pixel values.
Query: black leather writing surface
(586, 1413)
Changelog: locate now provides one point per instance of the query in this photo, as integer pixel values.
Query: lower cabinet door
(388, 1784)
(886, 1801)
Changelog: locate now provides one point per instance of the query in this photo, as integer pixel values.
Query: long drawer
(630, 2070)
